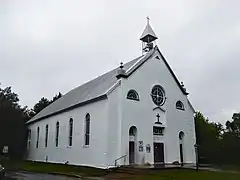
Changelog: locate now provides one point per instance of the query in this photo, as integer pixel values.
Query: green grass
(229, 167)
(185, 175)
(181, 174)
(39, 167)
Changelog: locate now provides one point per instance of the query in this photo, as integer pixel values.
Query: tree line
(218, 143)
(13, 118)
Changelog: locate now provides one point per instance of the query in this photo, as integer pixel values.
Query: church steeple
(148, 37)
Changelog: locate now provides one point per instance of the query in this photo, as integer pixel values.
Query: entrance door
(181, 154)
(158, 153)
(131, 152)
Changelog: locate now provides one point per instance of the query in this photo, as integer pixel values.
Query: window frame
(182, 105)
(87, 130)
(181, 135)
(46, 135)
(57, 134)
(70, 133)
(135, 93)
(132, 131)
(29, 138)
(157, 95)
(38, 133)
(159, 129)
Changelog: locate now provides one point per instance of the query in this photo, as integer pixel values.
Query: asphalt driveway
(35, 176)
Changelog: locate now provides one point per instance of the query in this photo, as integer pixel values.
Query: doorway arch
(181, 146)
(132, 144)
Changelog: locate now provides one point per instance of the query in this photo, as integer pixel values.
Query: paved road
(35, 176)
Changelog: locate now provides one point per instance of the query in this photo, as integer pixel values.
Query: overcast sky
(47, 46)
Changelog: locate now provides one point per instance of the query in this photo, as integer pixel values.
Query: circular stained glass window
(158, 95)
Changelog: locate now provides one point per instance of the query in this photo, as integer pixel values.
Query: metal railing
(124, 156)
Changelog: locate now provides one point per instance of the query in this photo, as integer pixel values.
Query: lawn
(184, 175)
(127, 174)
(63, 169)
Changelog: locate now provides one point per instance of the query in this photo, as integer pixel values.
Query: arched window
(133, 95)
(181, 147)
(37, 143)
(181, 135)
(87, 129)
(46, 136)
(70, 136)
(132, 131)
(57, 134)
(29, 138)
(179, 105)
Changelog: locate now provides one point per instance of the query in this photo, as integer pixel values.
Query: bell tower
(148, 38)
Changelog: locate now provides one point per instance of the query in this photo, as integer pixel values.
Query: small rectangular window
(157, 130)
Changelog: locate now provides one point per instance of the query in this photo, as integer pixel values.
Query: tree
(13, 131)
(208, 137)
(44, 102)
(218, 145)
(56, 97)
(13, 117)
(7, 97)
(231, 139)
(41, 104)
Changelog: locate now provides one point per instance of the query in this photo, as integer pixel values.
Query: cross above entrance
(158, 117)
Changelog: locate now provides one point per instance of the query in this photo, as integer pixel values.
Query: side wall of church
(114, 126)
(78, 153)
(142, 114)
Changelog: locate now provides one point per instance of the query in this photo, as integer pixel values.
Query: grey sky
(51, 46)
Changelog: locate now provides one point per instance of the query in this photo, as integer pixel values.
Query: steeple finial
(121, 71)
(148, 19)
(182, 84)
(121, 65)
(148, 37)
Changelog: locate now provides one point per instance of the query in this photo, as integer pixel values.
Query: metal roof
(86, 92)
(148, 34)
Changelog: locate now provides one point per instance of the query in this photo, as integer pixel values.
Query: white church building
(138, 113)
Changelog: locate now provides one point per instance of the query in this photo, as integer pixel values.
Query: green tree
(13, 131)
(56, 97)
(44, 102)
(208, 137)
(234, 125)
(41, 104)
(231, 140)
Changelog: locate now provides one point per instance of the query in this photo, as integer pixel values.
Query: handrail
(124, 156)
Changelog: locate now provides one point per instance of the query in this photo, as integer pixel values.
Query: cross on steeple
(158, 117)
(148, 37)
(148, 19)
